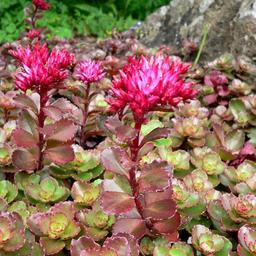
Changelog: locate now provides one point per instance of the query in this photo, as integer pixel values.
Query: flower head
(41, 68)
(147, 82)
(34, 33)
(89, 71)
(41, 4)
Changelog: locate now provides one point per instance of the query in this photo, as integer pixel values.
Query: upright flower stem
(85, 113)
(134, 156)
(33, 19)
(41, 119)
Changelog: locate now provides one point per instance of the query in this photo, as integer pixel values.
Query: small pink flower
(34, 33)
(41, 68)
(148, 82)
(41, 4)
(89, 71)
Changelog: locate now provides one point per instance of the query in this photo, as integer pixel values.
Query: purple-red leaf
(135, 227)
(84, 242)
(53, 112)
(124, 133)
(156, 134)
(60, 154)
(168, 226)
(155, 177)
(159, 205)
(24, 160)
(62, 130)
(23, 138)
(117, 202)
(160, 209)
(24, 101)
(117, 161)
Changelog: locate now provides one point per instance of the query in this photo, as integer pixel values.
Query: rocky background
(232, 26)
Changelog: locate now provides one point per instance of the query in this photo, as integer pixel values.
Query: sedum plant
(154, 159)
(12, 232)
(56, 227)
(247, 241)
(141, 196)
(209, 243)
(85, 166)
(117, 245)
(41, 72)
(95, 223)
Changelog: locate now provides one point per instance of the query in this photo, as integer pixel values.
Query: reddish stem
(6, 115)
(41, 119)
(33, 19)
(134, 156)
(85, 114)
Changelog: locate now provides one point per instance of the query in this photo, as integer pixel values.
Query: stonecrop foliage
(131, 153)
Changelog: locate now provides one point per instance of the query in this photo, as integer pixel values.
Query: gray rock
(232, 26)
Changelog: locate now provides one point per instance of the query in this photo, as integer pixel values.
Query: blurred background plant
(81, 17)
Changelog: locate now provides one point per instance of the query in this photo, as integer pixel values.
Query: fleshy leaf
(60, 154)
(117, 202)
(117, 161)
(135, 227)
(155, 177)
(63, 130)
(24, 160)
(23, 138)
(51, 246)
(156, 134)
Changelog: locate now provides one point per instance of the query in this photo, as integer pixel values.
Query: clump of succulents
(12, 232)
(117, 245)
(84, 193)
(247, 241)
(209, 243)
(95, 223)
(155, 159)
(56, 227)
(85, 166)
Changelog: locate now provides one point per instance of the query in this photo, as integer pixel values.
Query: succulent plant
(192, 128)
(85, 193)
(178, 248)
(189, 203)
(8, 191)
(22, 209)
(84, 167)
(207, 160)
(209, 243)
(12, 232)
(241, 180)
(198, 181)
(95, 223)
(247, 241)
(179, 159)
(5, 154)
(46, 190)
(117, 245)
(56, 227)
(241, 209)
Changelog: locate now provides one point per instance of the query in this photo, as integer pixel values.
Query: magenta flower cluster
(89, 71)
(147, 82)
(38, 67)
(41, 4)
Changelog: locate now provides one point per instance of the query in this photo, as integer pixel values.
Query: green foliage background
(80, 17)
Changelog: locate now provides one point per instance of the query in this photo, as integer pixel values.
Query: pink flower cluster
(41, 4)
(148, 82)
(34, 33)
(39, 68)
(89, 71)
